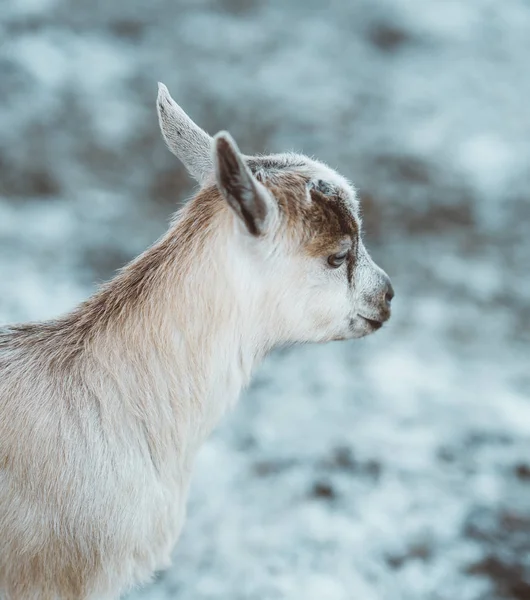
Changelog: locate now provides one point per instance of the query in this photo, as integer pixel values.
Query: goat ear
(186, 140)
(250, 199)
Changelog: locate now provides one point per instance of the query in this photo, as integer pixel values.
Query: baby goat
(102, 411)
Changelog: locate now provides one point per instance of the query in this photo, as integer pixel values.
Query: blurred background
(396, 467)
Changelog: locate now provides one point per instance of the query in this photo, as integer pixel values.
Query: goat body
(102, 411)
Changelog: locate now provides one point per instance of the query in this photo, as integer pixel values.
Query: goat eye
(336, 260)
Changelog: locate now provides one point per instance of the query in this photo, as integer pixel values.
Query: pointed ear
(250, 200)
(188, 142)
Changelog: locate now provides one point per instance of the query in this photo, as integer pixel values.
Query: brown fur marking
(320, 225)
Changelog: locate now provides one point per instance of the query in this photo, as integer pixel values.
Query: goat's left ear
(251, 200)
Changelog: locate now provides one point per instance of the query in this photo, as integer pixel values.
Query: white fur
(97, 443)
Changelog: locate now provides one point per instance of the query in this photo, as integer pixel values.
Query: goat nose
(389, 293)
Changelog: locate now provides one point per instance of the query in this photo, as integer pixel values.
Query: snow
(397, 467)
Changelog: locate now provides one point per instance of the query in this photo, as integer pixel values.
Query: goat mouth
(372, 322)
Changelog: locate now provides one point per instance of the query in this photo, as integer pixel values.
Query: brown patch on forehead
(333, 222)
(320, 225)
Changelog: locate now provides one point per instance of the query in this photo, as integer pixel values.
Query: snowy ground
(393, 468)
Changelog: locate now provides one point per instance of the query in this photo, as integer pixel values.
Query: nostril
(389, 294)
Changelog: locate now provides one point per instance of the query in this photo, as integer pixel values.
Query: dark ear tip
(224, 141)
(221, 142)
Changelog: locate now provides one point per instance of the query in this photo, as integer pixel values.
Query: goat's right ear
(188, 142)
(250, 200)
